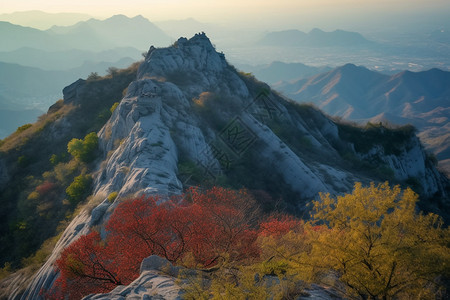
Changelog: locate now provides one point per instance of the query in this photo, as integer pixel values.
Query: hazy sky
(283, 12)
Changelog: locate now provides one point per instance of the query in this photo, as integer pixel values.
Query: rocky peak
(187, 62)
(72, 91)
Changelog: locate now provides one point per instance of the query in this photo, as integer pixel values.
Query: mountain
(15, 36)
(28, 92)
(358, 94)
(10, 119)
(91, 35)
(285, 38)
(315, 38)
(43, 20)
(116, 31)
(67, 59)
(279, 71)
(188, 118)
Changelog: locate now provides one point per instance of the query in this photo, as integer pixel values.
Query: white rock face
(410, 163)
(157, 280)
(156, 121)
(149, 285)
(46, 275)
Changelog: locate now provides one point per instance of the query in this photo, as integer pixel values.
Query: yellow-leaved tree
(374, 245)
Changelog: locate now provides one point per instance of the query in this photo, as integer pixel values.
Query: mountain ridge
(358, 94)
(42, 20)
(93, 35)
(185, 111)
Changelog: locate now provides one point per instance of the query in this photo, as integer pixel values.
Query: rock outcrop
(189, 105)
(157, 280)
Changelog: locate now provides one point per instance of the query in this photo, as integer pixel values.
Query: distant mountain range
(43, 20)
(26, 92)
(358, 94)
(66, 59)
(315, 38)
(117, 31)
(18, 81)
(280, 71)
(93, 35)
(35, 64)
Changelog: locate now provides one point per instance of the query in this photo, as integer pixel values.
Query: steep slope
(189, 118)
(356, 93)
(25, 164)
(28, 92)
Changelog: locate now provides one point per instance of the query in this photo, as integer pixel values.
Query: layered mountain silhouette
(280, 71)
(93, 35)
(66, 59)
(43, 20)
(315, 38)
(27, 92)
(36, 63)
(358, 94)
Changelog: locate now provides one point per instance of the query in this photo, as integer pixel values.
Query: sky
(282, 13)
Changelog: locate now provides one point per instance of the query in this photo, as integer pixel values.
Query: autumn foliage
(370, 244)
(202, 229)
(88, 266)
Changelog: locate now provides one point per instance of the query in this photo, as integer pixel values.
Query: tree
(210, 226)
(224, 227)
(84, 150)
(79, 188)
(142, 227)
(378, 246)
(200, 229)
(87, 266)
(112, 71)
(93, 76)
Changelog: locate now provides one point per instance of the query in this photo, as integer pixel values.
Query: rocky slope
(356, 93)
(190, 118)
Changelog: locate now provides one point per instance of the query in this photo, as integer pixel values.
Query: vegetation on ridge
(42, 174)
(370, 244)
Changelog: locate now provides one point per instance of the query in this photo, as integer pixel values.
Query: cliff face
(188, 107)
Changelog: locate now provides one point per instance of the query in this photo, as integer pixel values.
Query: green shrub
(393, 139)
(54, 159)
(112, 196)
(113, 71)
(104, 115)
(79, 188)
(84, 150)
(113, 107)
(23, 127)
(93, 76)
(5, 271)
(23, 161)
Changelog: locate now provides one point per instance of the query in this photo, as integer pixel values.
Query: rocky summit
(190, 117)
